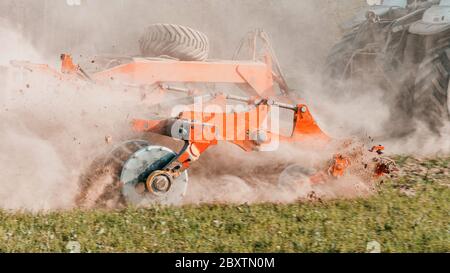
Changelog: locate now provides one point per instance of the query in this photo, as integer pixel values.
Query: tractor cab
(384, 10)
(435, 20)
(388, 3)
(379, 8)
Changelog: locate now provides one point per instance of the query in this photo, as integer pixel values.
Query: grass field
(411, 213)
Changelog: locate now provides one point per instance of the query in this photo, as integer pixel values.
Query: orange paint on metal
(339, 166)
(231, 127)
(67, 65)
(37, 67)
(305, 125)
(377, 149)
(148, 72)
(152, 126)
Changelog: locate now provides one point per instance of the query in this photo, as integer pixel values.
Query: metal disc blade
(137, 169)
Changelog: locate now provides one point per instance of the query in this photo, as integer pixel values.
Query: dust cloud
(278, 177)
(51, 130)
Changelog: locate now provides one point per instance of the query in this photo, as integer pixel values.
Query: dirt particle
(108, 139)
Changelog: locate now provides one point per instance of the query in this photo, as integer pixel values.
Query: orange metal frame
(206, 129)
(258, 75)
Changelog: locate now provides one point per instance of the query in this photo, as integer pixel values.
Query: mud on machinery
(148, 173)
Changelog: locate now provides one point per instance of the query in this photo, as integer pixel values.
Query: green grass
(415, 222)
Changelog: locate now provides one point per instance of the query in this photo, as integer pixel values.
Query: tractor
(375, 32)
(431, 97)
(387, 52)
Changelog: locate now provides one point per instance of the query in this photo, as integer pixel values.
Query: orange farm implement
(150, 173)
